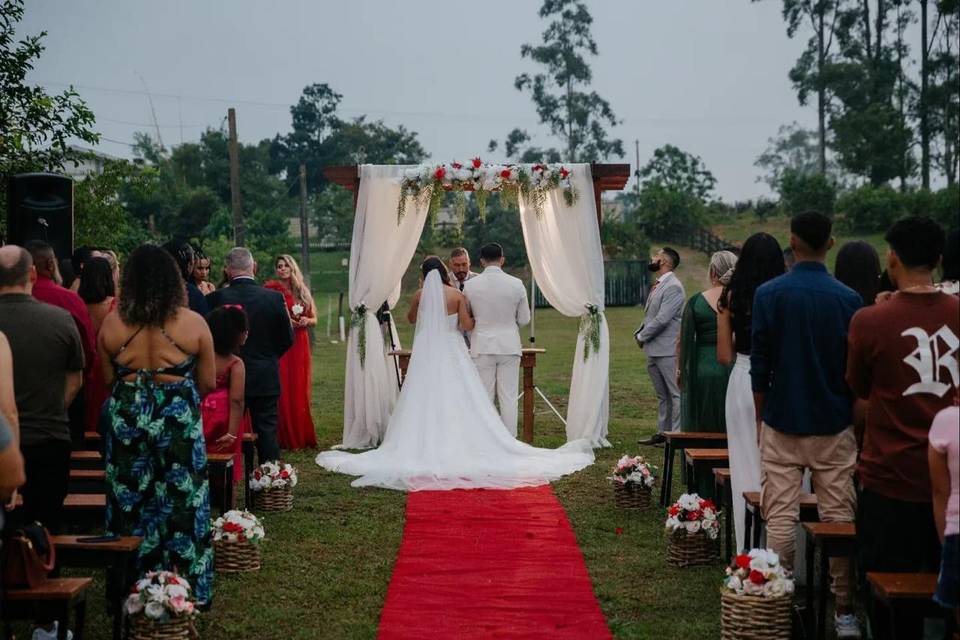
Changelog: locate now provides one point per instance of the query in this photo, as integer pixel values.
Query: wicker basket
(273, 499)
(235, 557)
(142, 628)
(754, 617)
(630, 495)
(692, 549)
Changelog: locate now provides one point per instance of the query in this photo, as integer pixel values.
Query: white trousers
(501, 378)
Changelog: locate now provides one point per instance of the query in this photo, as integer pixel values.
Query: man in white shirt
(499, 303)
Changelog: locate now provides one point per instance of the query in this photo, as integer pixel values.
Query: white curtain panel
(380, 252)
(565, 253)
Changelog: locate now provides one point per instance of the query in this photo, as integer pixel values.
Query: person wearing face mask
(657, 336)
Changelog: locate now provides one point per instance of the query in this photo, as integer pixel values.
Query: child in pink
(944, 455)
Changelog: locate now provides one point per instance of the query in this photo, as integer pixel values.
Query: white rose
(174, 590)
(734, 584)
(774, 588)
(673, 523)
(155, 592)
(154, 610)
(134, 604)
(692, 526)
(752, 589)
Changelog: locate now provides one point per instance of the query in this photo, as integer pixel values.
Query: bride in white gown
(445, 432)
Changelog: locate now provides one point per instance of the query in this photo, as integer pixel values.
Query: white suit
(499, 303)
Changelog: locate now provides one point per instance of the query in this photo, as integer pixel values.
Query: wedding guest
(224, 415)
(760, 260)
(460, 268)
(950, 265)
(78, 259)
(201, 271)
(703, 380)
(111, 256)
(11, 462)
(944, 460)
(98, 291)
(182, 253)
(67, 276)
(271, 335)
(47, 375)
(896, 363)
(657, 336)
(789, 259)
(295, 428)
(158, 357)
(858, 267)
(804, 413)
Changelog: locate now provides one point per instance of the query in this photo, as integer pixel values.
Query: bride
(444, 432)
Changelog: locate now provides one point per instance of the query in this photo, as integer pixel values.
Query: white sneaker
(847, 626)
(39, 633)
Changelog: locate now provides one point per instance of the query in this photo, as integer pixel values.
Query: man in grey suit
(658, 339)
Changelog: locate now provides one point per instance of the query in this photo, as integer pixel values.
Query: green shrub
(871, 209)
(943, 206)
(801, 192)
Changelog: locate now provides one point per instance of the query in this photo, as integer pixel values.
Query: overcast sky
(709, 76)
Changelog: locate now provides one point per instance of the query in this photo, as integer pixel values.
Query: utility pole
(637, 171)
(235, 180)
(304, 227)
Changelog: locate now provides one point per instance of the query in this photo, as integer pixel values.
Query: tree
(100, 213)
(793, 149)
(35, 127)
(333, 214)
(574, 115)
(678, 171)
(941, 100)
(801, 192)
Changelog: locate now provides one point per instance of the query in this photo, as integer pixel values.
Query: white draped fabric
(565, 253)
(380, 252)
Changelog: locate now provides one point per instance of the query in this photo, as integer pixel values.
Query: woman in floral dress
(158, 356)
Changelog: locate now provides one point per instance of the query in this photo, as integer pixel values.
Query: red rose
(756, 577)
(743, 561)
(674, 510)
(476, 163)
(538, 167)
(456, 165)
(284, 474)
(564, 172)
(618, 530)
(231, 527)
(172, 580)
(505, 174)
(257, 475)
(708, 504)
(439, 173)
(693, 515)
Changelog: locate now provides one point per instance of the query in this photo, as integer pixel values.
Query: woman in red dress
(295, 424)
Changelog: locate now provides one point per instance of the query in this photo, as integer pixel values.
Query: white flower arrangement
(693, 514)
(237, 526)
(273, 475)
(297, 310)
(160, 596)
(758, 573)
(635, 470)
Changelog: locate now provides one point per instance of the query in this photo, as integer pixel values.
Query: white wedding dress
(445, 432)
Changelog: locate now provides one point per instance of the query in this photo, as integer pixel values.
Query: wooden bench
(835, 540)
(86, 460)
(55, 600)
(117, 557)
(249, 448)
(703, 461)
(87, 481)
(678, 441)
(753, 519)
(92, 441)
(724, 490)
(220, 466)
(905, 595)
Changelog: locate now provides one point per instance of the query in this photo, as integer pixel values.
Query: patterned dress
(156, 464)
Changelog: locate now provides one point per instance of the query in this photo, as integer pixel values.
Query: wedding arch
(561, 230)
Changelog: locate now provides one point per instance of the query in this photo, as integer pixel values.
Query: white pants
(501, 377)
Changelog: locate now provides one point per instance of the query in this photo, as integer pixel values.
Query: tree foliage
(678, 171)
(793, 149)
(803, 191)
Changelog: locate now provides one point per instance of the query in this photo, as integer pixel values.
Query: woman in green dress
(703, 381)
(158, 355)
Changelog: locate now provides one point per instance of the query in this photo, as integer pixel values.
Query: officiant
(460, 268)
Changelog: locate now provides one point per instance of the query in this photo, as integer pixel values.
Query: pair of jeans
(263, 416)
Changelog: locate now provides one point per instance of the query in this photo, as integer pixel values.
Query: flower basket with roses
(272, 485)
(236, 541)
(633, 482)
(693, 528)
(755, 600)
(160, 607)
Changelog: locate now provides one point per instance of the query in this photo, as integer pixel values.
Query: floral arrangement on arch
(429, 183)
(237, 526)
(758, 573)
(160, 596)
(273, 475)
(635, 470)
(693, 514)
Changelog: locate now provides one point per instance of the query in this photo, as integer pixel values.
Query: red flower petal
(618, 530)
(505, 173)
(743, 561)
(439, 173)
(476, 163)
(756, 577)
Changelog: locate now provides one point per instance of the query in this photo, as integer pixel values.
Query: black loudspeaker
(40, 207)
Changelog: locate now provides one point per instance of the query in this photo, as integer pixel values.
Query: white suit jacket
(499, 303)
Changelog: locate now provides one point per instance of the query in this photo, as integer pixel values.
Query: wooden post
(235, 180)
(304, 227)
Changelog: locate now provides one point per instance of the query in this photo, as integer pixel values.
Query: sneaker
(39, 633)
(654, 440)
(847, 626)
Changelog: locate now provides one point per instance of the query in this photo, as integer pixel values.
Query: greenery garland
(358, 320)
(428, 184)
(590, 330)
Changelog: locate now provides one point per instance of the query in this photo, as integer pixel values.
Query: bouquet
(160, 596)
(273, 475)
(237, 526)
(758, 573)
(634, 470)
(693, 514)
(297, 310)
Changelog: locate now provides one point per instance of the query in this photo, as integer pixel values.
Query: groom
(499, 303)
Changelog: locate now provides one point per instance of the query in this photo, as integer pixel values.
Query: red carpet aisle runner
(489, 564)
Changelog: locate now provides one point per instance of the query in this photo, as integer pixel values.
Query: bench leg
(228, 500)
(728, 519)
(80, 617)
(667, 479)
(822, 596)
(757, 528)
(810, 614)
(747, 526)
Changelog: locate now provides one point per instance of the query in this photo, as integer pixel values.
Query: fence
(625, 284)
(689, 235)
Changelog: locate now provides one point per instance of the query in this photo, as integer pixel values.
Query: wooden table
(528, 362)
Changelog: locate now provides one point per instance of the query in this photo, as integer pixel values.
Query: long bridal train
(444, 432)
